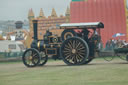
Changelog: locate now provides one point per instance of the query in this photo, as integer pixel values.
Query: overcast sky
(18, 9)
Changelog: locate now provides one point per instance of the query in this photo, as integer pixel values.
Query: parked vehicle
(11, 48)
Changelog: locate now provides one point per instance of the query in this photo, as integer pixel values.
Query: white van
(11, 46)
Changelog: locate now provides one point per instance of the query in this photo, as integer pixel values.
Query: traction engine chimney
(35, 24)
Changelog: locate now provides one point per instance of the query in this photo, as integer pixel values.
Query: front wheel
(31, 57)
(74, 51)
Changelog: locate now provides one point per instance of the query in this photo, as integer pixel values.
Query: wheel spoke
(80, 56)
(68, 57)
(74, 59)
(77, 59)
(67, 54)
(69, 45)
(34, 55)
(80, 46)
(67, 49)
(81, 49)
(77, 45)
(82, 53)
(28, 61)
(73, 44)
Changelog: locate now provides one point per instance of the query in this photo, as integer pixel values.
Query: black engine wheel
(74, 51)
(43, 59)
(31, 57)
(68, 33)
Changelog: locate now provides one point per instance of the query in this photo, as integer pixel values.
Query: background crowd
(113, 44)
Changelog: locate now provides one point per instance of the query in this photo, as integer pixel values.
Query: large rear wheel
(74, 51)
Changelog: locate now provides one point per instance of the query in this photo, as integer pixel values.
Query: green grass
(98, 72)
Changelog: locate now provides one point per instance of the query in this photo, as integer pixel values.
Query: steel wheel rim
(31, 58)
(74, 51)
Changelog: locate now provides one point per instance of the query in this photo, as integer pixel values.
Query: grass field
(98, 72)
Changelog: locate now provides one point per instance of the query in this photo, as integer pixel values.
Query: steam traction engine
(76, 45)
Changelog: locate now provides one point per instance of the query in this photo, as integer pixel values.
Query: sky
(18, 9)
